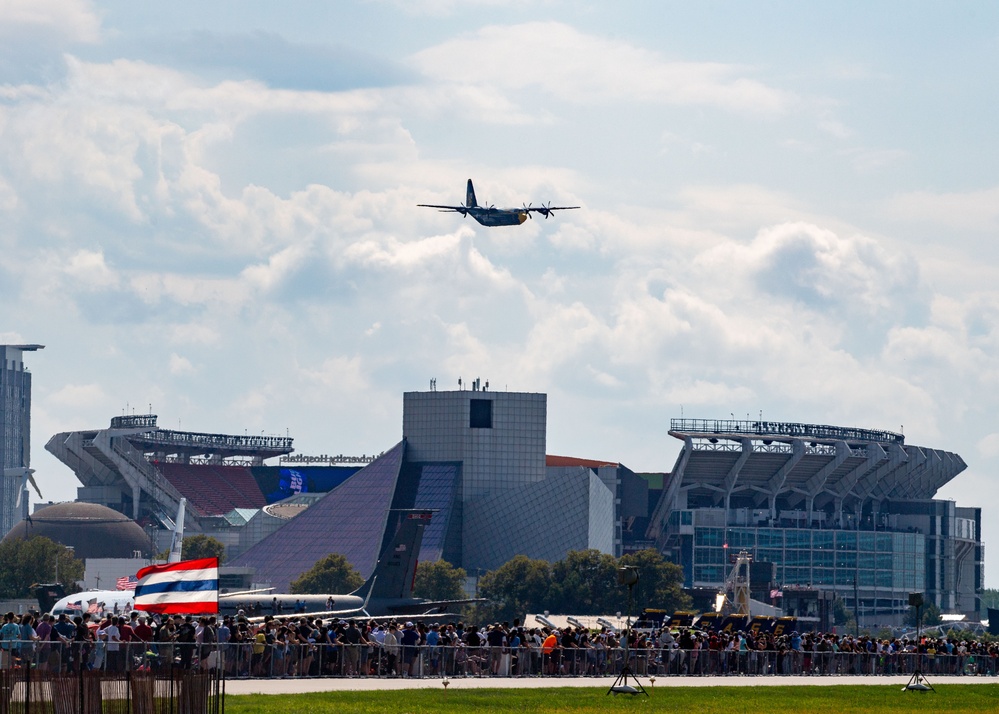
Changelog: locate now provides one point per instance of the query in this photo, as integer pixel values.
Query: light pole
(627, 575)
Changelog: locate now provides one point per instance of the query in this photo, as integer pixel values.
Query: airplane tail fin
(177, 544)
(395, 570)
(470, 201)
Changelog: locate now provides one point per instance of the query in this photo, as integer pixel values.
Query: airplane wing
(433, 607)
(242, 593)
(444, 209)
(546, 211)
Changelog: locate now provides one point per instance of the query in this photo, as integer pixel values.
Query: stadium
(141, 470)
(833, 508)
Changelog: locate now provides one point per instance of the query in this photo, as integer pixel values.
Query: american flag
(127, 582)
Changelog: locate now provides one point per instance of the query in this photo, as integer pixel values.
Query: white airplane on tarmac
(99, 602)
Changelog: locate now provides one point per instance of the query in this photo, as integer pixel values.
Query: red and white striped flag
(127, 582)
(190, 587)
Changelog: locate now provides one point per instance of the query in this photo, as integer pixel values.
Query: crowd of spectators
(306, 646)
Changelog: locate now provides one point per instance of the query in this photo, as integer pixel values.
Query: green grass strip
(870, 699)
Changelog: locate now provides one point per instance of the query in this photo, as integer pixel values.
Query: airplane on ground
(492, 216)
(387, 593)
(99, 602)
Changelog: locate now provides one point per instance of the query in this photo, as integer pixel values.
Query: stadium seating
(214, 490)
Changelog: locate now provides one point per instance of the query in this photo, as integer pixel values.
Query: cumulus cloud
(180, 365)
(581, 68)
(63, 20)
(818, 267)
(90, 270)
(77, 395)
(271, 58)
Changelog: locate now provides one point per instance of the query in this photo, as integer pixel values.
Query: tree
(930, 615)
(329, 576)
(515, 588)
(660, 583)
(439, 581)
(990, 598)
(582, 583)
(25, 562)
(202, 546)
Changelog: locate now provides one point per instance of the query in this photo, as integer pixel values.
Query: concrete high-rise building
(499, 437)
(15, 434)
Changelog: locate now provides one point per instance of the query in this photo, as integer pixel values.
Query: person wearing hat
(410, 639)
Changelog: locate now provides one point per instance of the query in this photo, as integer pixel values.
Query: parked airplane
(388, 592)
(99, 602)
(492, 216)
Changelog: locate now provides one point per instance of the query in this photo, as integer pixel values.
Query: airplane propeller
(547, 210)
(528, 208)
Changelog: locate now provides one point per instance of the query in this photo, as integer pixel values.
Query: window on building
(480, 414)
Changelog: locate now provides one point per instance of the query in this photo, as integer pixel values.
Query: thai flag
(190, 587)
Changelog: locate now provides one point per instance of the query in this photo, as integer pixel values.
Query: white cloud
(67, 20)
(90, 271)
(868, 160)
(78, 396)
(587, 69)
(988, 446)
(972, 210)
(180, 365)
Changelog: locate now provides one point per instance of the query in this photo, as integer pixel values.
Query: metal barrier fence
(24, 690)
(273, 660)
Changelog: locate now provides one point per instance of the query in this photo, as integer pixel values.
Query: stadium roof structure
(789, 466)
(184, 445)
(152, 465)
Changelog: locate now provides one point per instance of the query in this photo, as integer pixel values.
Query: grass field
(690, 700)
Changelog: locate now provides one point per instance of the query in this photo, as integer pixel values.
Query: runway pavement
(370, 684)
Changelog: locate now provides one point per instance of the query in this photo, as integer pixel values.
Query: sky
(208, 210)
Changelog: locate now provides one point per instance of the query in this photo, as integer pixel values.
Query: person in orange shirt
(549, 652)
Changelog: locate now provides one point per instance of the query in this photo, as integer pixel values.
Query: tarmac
(373, 684)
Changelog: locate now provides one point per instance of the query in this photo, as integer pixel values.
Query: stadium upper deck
(135, 460)
(818, 474)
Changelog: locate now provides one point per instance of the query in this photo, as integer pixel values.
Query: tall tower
(15, 434)
(499, 439)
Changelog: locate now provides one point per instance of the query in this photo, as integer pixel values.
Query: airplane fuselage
(306, 603)
(498, 216)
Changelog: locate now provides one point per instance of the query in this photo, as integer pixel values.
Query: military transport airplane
(387, 593)
(492, 216)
